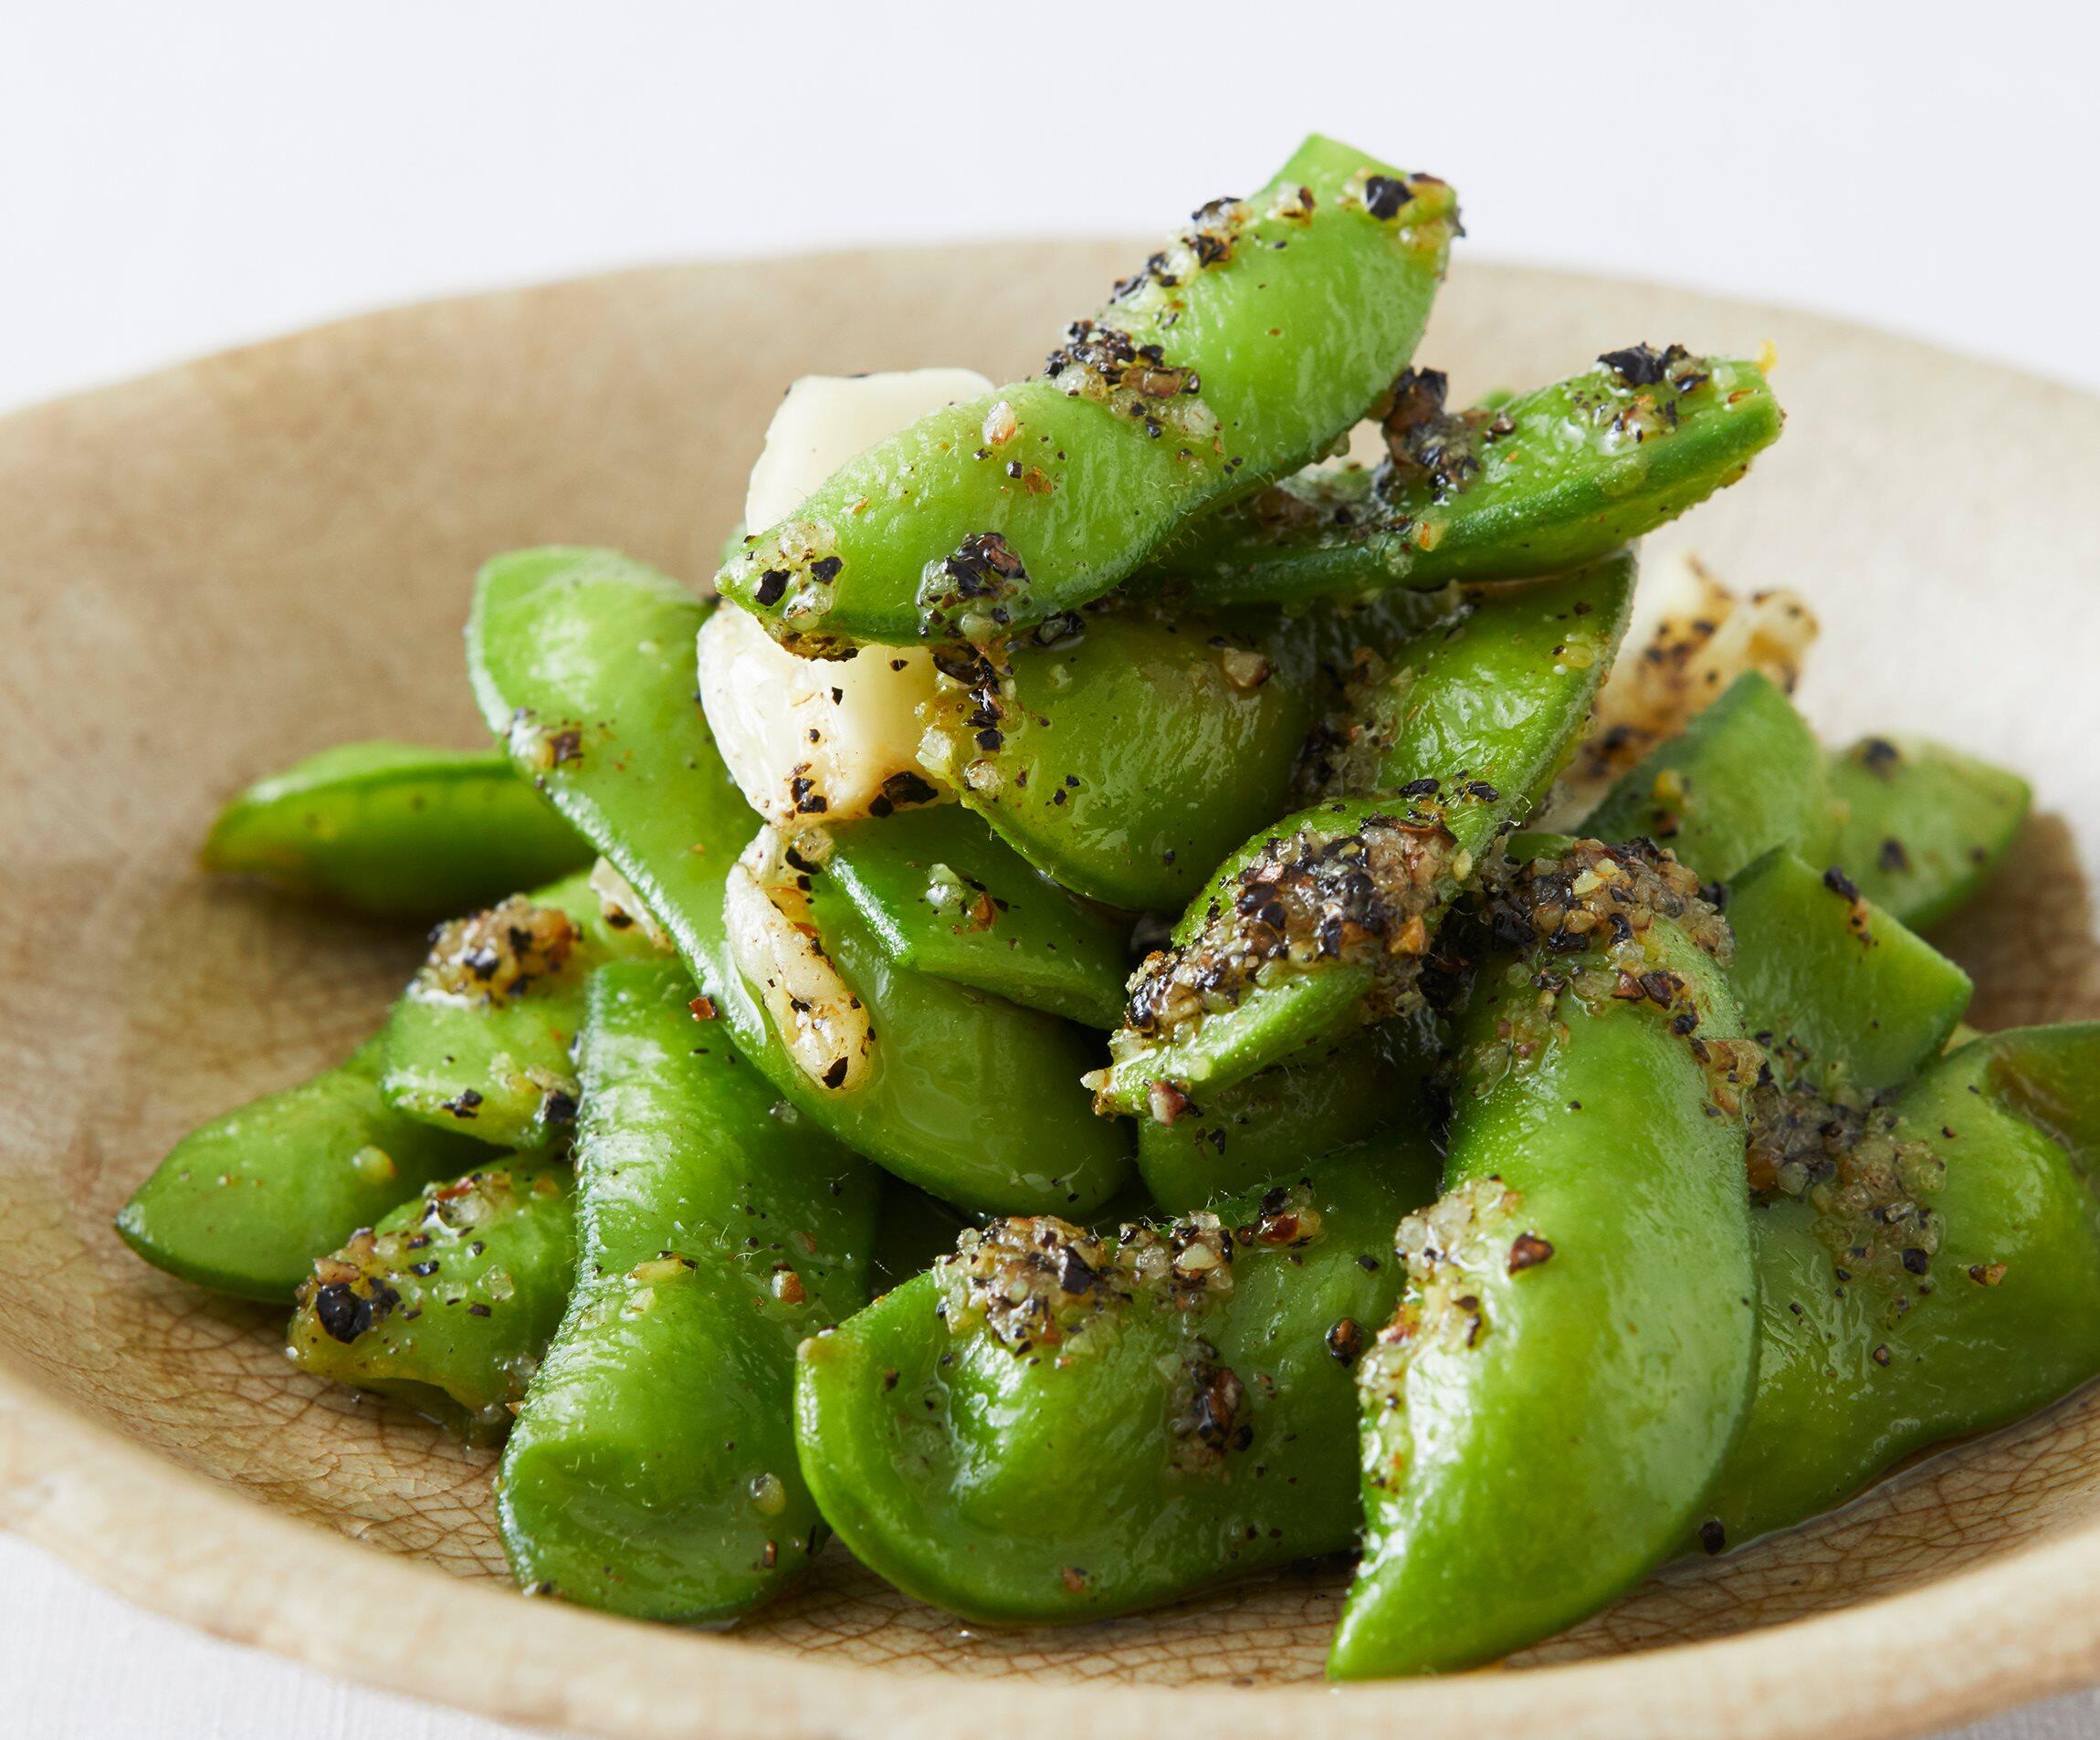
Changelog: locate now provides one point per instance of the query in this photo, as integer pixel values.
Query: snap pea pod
(396, 828)
(244, 1203)
(479, 1042)
(1054, 1425)
(948, 898)
(1129, 754)
(585, 659)
(1919, 827)
(448, 1302)
(1544, 1416)
(1743, 777)
(1237, 354)
(1843, 997)
(1942, 1276)
(1530, 485)
(652, 1468)
(1320, 922)
(1333, 1094)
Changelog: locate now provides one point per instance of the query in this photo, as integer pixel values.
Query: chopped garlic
(813, 741)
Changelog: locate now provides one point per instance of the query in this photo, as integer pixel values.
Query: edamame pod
(1544, 1416)
(1333, 1094)
(948, 898)
(1843, 998)
(1320, 923)
(395, 828)
(1234, 355)
(1918, 827)
(652, 1468)
(1929, 1268)
(584, 658)
(1125, 755)
(1530, 485)
(480, 1040)
(1743, 777)
(1058, 1425)
(448, 1304)
(245, 1204)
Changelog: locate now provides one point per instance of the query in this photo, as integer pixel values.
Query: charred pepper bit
(494, 956)
(1241, 350)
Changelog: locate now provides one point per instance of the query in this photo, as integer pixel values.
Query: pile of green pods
(1200, 1122)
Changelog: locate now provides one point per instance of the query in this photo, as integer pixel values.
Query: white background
(177, 178)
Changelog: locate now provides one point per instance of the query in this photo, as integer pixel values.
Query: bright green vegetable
(1234, 356)
(1546, 1412)
(1333, 1094)
(1843, 997)
(946, 897)
(652, 1468)
(396, 828)
(1054, 1425)
(1743, 777)
(480, 1040)
(1918, 827)
(585, 659)
(1320, 923)
(448, 1304)
(1127, 757)
(244, 1204)
(1929, 1270)
(1527, 485)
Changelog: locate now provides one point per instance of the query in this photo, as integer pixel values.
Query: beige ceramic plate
(205, 573)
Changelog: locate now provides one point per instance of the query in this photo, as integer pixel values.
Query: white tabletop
(176, 179)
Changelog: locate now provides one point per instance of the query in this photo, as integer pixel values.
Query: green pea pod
(585, 659)
(1320, 923)
(1918, 827)
(1054, 1425)
(1235, 355)
(1531, 485)
(395, 828)
(1943, 1278)
(244, 1204)
(1844, 998)
(1130, 755)
(448, 1304)
(1546, 1414)
(1743, 777)
(480, 1040)
(652, 1468)
(948, 898)
(1333, 1094)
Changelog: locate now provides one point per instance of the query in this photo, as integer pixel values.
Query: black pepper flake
(1915, 1260)
(1882, 1355)
(1345, 1340)
(1527, 1251)
(772, 587)
(344, 1315)
(1892, 856)
(835, 1076)
(1713, 1536)
(825, 567)
(464, 1105)
(1838, 883)
(477, 1310)
(1384, 196)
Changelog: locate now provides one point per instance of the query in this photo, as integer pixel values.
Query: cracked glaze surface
(213, 570)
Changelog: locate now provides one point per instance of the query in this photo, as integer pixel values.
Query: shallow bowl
(211, 570)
